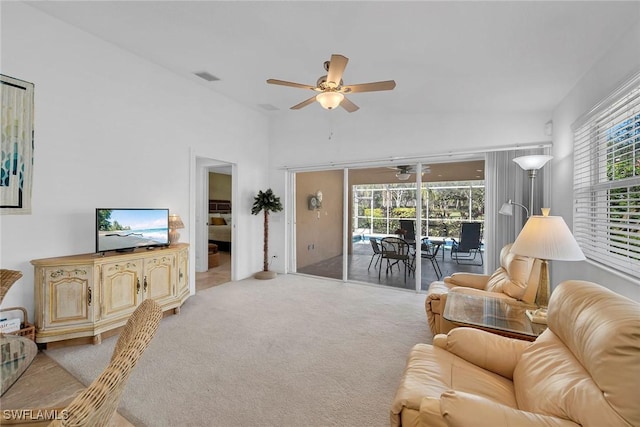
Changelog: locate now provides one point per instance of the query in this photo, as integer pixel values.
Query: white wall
(114, 130)
(611, 70)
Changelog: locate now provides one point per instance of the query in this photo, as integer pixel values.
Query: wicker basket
(26, 329)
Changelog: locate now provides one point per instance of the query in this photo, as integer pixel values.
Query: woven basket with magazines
(26, 329)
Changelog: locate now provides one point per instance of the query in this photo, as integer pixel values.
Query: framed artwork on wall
(16, 146)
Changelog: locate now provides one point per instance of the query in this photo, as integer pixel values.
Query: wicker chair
(97, 404)
(7, 279)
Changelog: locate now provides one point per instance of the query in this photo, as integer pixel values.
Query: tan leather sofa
(517, 278)
(583, 370)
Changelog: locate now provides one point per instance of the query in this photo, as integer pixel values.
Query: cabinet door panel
(69, 303)
(159, 277)
(183, 273)
(121, 289)
(68, 291)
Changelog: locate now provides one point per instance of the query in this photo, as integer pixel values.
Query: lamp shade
(547, 238)
(175, 222)
(506, 209)
(533, 162)
(329, 100)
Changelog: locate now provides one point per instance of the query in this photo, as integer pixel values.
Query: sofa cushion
(489, 351)
(431, 371)
(436, 296)
(497, 280)
(602, 329)
(549, 380)
(586, 366)
(513, 275)
(434, 305)
(461, 409)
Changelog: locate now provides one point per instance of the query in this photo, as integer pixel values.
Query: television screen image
(127, 229)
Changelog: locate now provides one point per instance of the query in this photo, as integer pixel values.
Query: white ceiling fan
(332, 89)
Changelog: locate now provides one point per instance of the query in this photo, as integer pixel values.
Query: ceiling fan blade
(290, 84)
(349, 106)
(336, 68)
(304, 103)
(369, 87)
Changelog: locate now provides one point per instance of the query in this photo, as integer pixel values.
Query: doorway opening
(214, 223)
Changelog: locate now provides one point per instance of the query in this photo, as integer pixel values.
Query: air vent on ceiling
(207, 76)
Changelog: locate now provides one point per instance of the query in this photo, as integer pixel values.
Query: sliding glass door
(342, 227)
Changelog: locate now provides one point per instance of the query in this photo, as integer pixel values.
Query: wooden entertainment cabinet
(86, 295)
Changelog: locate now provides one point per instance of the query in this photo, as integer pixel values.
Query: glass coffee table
(498, 315)
(17, 354)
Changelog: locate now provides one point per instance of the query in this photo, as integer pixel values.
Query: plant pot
(265, 275)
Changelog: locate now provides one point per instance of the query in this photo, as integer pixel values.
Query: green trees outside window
(379, 207)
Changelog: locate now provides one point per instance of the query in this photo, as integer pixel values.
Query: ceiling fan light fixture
(329, 100)
(403, 176)
(331, 87)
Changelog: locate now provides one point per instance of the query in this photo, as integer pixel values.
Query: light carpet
(293, 351)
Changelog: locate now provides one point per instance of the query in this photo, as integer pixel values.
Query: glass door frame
(347, 232)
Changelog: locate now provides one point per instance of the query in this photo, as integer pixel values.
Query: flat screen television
(127, 229)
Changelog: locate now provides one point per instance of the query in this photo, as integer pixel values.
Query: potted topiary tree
(266, 202)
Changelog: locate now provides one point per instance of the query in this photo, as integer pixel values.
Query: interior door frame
(200, 166)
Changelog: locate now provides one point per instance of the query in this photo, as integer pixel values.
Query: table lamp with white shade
(546, 238)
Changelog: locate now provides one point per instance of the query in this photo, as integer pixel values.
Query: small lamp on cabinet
(175, 223)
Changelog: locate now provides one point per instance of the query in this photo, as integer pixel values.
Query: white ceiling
(445, 57)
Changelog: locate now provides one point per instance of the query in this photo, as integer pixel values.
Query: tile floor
(359, 270)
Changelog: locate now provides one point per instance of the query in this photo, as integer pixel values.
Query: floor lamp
(532, 163)
(546, 238)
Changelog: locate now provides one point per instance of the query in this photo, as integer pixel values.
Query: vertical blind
(606, 186)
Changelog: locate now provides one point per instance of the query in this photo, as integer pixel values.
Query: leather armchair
(517, 278)
(582, 371)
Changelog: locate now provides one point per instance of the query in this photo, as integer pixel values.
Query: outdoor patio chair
(396, 250)
(410, 230)
(377, 251)
(469, 247)
(429, 250)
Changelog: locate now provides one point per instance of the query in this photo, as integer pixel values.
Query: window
(607, 181)
(378, 208)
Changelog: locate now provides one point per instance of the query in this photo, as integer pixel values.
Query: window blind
(606, 186)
